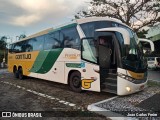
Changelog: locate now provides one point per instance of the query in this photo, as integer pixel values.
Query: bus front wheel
(75, 81)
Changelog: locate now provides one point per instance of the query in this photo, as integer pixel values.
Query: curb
(106, 112)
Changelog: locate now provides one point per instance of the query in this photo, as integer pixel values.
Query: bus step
(112, 75)
(112, 71)
(110, 86)
(111, 80)
(109, 91)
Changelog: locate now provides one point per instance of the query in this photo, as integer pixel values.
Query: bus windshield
(133, 57)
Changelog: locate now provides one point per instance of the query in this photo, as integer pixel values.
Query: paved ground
(151, 103)
(39, 95)
(154, 75)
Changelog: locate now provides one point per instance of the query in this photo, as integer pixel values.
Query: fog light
(128, 89)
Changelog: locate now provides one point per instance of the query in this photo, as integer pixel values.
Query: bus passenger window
(17, 47)
(28, 46)
(38, 43)
(52, 41)
(70, 38)
(67, 43)
(56, 45)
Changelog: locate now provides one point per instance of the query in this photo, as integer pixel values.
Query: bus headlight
(128, 89)
(126, 77)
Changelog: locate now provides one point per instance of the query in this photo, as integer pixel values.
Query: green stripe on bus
(47, 61)
(39, 61)
(50, 60)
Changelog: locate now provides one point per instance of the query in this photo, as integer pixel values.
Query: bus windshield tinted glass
(132, 55)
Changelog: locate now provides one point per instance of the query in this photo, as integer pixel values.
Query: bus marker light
(141, 87)
(128, 89)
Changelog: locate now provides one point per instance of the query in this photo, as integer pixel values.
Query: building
(154, 35)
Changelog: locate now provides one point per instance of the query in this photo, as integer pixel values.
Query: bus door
(90, 69)
(106, 56)
(99, 57)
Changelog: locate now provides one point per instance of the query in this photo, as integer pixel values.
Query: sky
(31, 16)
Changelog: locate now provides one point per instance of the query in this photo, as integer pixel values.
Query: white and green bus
(95, 53)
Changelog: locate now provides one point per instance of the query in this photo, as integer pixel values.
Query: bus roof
(90, 19)
(76, 21)
(38, 34)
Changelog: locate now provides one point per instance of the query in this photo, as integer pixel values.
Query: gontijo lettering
(23, 56)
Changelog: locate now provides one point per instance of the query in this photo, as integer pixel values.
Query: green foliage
(3, 48)
(22, 36)
(141, 34)
(3, 42)
(2, 55)
(153, 84)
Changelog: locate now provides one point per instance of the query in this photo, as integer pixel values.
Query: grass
(153, 83)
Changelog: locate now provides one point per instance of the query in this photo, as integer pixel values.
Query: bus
(94, 54)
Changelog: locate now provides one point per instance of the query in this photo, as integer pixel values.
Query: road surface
(39, 95)
(154, 75)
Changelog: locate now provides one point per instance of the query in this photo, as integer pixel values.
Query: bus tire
(15, 72)
(20, 73)
(75, 81)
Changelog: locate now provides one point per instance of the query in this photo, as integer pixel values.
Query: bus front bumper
(125, 87)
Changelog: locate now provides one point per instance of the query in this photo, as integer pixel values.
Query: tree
(3, 43)
(21, 36)
(141, 34)
(135, 13)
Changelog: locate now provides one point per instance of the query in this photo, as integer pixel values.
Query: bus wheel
(20, 72)
(75, 81)
(15, 71)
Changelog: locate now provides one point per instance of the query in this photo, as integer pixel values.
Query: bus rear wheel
(75, 81)
(15, 72)
(20, 73)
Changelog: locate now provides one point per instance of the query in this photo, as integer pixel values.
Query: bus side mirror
(148, 45)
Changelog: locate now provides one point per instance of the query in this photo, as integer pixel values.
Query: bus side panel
(54, 65)
(24, 60)
(90, 77)
(56, 73)
(72, 61)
